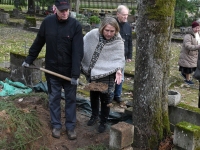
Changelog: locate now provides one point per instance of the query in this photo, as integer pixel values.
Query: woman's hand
(118, 78)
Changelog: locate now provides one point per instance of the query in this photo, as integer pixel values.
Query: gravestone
(16, 13)
(4, 17)
(131, 18)
(29, 77)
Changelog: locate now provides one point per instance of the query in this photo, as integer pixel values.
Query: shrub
(95, 19)
(133, 11)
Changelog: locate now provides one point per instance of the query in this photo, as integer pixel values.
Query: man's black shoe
(117, 99)
(56, 133)
(102, 127)
(92, 121)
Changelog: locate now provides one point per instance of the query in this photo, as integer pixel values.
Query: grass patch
(17, 41)
(7, 7)
(19, 21)
(19, 127)
(11, 7)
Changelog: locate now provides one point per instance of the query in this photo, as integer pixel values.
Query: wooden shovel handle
(54, 73)
(93, 86)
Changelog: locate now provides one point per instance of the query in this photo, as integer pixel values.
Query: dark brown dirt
(93, 86)
(166, 144)
(86, 135)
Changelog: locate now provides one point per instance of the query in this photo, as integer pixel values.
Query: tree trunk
(31, 6)
(77, 6)
(150, 95)
(71, 4)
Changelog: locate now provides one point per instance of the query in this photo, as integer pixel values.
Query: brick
(121, 135)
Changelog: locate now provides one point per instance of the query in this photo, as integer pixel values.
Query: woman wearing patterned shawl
(103, 62)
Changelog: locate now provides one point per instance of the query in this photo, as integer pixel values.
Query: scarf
(102, 57)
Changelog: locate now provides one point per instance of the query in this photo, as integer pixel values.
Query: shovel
(93, 86)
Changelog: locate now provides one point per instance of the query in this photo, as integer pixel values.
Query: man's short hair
(121, 7)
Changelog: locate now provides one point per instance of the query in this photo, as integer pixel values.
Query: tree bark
(150, 95)
(77, 6)
(31, 6)
(70, 1)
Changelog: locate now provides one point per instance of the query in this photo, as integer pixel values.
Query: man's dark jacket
(64, 46)
(126, 34)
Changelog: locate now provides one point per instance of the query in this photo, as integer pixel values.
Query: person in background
(103, 62)
(64, 51)
(126, 34)
(189, 53)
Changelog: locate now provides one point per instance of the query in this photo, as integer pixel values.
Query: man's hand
(24, 64)
(74, 81)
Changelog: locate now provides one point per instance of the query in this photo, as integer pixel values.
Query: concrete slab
(187, 136)
(184, 113)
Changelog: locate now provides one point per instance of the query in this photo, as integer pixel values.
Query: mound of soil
(86, 135)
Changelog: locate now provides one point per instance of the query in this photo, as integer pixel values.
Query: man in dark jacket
(64, 52)
(126, 34)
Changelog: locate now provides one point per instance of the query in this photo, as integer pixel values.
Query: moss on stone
(186, 126)
(5, 70)
(187, 107)
(30, 22)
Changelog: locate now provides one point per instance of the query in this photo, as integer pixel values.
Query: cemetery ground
(25, 120)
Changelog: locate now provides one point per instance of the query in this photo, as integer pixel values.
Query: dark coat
(64, 46)
(126, 34)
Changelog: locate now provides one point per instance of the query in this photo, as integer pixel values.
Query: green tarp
(13, 88)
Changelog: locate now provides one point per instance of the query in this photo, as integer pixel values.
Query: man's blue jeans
(54, 91)
(118, 88)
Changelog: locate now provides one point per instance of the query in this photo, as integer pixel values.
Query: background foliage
(186, 12)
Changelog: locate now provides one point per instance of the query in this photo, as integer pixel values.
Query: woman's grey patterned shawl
(111, 57)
